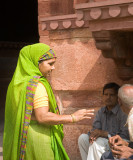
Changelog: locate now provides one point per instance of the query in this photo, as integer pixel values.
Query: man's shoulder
(120, 112)
(102, 109)
(119, 109)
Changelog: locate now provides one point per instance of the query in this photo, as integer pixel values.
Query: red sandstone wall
(81, 71)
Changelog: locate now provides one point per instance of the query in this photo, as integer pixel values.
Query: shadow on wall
(88, 95)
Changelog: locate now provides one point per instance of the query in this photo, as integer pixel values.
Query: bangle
(73, 118)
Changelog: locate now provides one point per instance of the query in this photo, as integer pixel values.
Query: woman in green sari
(33, 127)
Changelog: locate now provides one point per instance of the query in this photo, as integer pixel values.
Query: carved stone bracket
(119, 47)
(107, 15)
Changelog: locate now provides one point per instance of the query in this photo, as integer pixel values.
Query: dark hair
(111, 85)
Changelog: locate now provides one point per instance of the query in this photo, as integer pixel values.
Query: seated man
(120, 148)
(109, 121)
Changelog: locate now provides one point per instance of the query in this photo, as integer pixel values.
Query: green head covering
(28, 61)
(17, 112)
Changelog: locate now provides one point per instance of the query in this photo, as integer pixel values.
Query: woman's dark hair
(111, 85)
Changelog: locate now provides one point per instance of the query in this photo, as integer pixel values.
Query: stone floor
(1, 140)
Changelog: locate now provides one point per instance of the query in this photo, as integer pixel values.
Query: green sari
(18, 128)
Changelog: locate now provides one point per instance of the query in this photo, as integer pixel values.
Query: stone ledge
(62, 22)
(86, 13)
(101, 3)
(104, 10)
(71, 34)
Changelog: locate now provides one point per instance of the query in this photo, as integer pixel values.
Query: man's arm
(97, 133)
(119, 147)
(97, 128)
(117, 141)
(122, 152)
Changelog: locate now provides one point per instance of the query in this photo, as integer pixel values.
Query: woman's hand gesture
(82, 114)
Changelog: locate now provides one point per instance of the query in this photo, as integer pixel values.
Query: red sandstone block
(45, 40)
(62, 7)
(81, 1)
(62, 34)
(71, 34)
(81, 67)
(58, 7)
(81, 33)
(71, 134)
(44, 8)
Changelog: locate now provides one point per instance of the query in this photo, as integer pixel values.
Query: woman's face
(47, 66)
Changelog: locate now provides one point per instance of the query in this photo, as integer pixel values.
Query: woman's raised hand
(82, 114)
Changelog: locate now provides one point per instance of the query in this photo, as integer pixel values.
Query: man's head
(110, 92)
(125, 95)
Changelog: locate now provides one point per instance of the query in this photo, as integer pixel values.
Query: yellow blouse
(41, 97)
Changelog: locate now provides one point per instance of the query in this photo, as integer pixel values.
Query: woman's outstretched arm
(42, 115)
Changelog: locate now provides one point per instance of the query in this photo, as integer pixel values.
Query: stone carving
(54, 25)
(111, 23)
(114, 11)
(130, 9)
(95, 13)
(119, 47)
(79, 23)
(67, 24)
